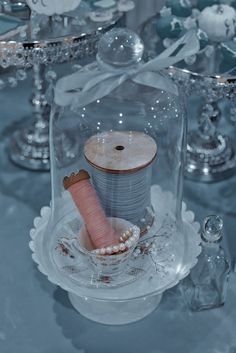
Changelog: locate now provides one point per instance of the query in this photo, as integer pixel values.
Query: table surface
(37, 317)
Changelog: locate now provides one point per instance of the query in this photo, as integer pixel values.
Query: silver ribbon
(95, 82)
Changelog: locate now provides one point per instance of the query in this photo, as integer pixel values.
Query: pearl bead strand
(126, 235)
(127, 241)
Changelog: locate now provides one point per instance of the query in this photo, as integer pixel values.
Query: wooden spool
(120, 152)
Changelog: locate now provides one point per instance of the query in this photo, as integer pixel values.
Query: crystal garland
(14, 79)
(20, 75)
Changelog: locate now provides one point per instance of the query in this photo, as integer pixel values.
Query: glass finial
(212, 229)
(120, 47)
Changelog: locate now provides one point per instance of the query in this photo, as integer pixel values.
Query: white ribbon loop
(92, 83)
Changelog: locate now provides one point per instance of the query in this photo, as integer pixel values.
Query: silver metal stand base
(29, 146)
(209, 160)
(28, 151)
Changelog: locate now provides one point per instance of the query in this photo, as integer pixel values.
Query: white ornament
(101, 16)
(52, 7)
(105, 3)
(218, 21)
(209, 50)
(165, 11)
(125, 5)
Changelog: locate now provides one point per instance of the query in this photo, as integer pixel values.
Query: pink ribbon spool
(84, 196)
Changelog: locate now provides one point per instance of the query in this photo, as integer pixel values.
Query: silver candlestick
(45, 41)
(29, 147)
(211, 156)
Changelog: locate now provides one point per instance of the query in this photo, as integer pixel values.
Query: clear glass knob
(120, 47)
(212, 229)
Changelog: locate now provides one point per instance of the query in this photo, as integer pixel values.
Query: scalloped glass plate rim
(38, 235)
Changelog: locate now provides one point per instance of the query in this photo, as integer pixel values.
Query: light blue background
(36, 316)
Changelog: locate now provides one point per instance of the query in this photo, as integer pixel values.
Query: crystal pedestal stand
(54, 40)
(29, 147)
(210, 155)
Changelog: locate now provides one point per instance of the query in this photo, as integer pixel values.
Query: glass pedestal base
(115, 312)
(30, 149)
(109, 300)
(210, 160)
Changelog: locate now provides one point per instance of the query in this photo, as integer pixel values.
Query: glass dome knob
(120, 47)
(212, 228)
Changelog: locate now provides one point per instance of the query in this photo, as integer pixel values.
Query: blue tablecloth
(37, 317)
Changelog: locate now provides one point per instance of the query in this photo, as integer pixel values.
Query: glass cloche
(117, 153)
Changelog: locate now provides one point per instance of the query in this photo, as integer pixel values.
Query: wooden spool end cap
(75, 178)
(120, 151)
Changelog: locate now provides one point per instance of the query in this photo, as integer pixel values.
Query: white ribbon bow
(92, 83)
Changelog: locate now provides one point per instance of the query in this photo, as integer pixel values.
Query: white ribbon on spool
(121, 164)
(125, 196)
(97, 81)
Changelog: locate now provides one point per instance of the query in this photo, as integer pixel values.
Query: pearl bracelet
(127, 241)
